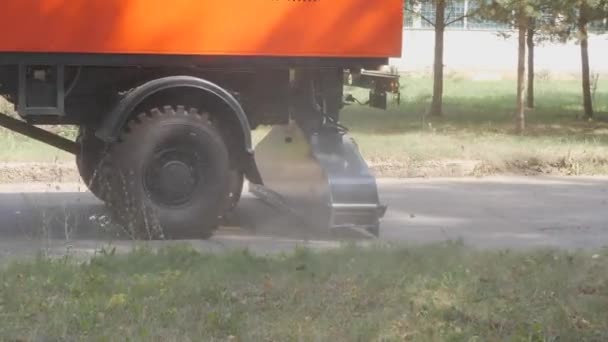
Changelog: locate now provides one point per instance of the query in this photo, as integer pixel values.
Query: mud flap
(321, 179)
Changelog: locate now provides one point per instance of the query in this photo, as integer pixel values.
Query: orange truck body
(307, 28)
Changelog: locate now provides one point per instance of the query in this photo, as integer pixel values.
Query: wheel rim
(173, 175)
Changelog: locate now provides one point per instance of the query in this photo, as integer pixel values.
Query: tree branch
(420, 15)
(466, 15)
(448, 23)
(451, 12)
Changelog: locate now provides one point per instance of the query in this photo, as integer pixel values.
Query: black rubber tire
(90, 162)
(152, 145)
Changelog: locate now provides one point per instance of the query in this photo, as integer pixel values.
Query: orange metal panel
(320, 28)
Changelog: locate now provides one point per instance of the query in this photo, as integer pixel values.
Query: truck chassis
(166, 95)
(168, 147)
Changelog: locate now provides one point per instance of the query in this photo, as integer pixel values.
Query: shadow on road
(59, 215)
(489, 213)
(80, 216)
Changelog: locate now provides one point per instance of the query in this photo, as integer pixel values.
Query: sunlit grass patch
(433, 293)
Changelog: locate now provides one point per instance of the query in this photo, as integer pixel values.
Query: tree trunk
(437, 105)
(520, 117)
(531, 76)
(587, 100)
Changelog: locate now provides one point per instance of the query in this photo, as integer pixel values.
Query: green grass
(18, 148)
(478, 125)
(438, 293)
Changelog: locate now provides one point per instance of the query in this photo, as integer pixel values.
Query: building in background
(483, 49)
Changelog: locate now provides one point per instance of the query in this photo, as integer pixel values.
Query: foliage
(573, 19)
(415, 7)
(571, 13)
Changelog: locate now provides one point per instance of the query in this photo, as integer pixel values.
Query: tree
(520, 14)
(522, 25)
(541, 28)
(584, 18)
(442, 14)
(575, 16)
(588, 11)
(531, 65)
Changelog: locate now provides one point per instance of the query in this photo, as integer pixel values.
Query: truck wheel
(171, 175)
(90, 162)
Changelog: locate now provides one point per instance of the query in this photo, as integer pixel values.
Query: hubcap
(173, 175)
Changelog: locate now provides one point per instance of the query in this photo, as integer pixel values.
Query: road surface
(494, 212)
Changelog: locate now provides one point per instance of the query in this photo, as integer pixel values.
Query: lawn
(475, 134)
(438, 293)
(478, 125)
(18, 148)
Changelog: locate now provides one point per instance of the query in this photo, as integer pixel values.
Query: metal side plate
(322, 179)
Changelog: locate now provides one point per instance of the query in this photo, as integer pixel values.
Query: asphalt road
(487, 213)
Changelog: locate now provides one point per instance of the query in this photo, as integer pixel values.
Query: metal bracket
(26, 94)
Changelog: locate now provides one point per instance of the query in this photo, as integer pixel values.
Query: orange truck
(166, 94)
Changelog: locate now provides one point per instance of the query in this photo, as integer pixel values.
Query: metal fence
(423, 16)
